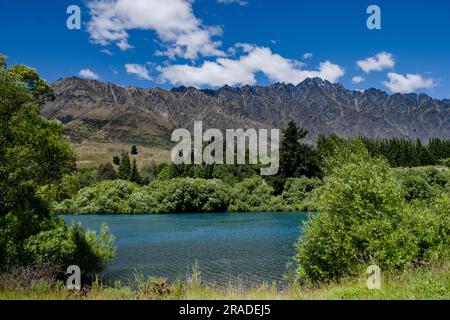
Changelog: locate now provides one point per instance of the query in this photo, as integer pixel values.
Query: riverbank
(420, 284)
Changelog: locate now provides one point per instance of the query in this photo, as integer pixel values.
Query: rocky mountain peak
(95, 110)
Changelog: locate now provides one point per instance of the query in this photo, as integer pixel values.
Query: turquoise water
(228, 246)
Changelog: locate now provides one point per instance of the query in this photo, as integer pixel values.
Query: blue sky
(209, 43)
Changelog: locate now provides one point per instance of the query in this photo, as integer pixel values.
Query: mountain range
(104, 112)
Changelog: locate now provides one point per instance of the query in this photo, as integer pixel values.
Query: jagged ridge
(107, 112)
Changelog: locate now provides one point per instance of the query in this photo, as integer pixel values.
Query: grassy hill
(91, 153)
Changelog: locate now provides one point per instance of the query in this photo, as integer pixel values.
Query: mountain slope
(105, 112)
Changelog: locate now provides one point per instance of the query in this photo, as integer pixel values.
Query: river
(251, 247)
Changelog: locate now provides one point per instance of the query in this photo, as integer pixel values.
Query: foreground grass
(420, 284)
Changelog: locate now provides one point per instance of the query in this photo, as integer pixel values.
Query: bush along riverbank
(253, 194)
(189, 195)
(364, 219)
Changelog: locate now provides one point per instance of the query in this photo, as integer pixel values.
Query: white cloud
(124, 45)
(239, 2)
(88, 74)
(107, 52)
(113, 70)
(381, 61)
(307, 56)
(358, 79)
(406, 84)
(138, 70)
(243, 70)
(181, 33)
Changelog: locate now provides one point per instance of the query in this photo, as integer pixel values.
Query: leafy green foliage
(399, 152)
(176, 195)
(416, 186)
(54, 244)
(424, 184)
(69, 185)
(297, 159)
(445, 162)
(32, 153)
(72, 246)
(37, 86)
(229, 173)
(2, 61)
(252, 195)
(364, 219)
(180, 195)
(429, 224)
(297, 194)
(358, 221)
(150, 173)
(33, 158)
(106, 172)
(104, 197)
(189, 195)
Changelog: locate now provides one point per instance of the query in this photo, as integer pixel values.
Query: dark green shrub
(359, 220)
(429, 224)
(416, 186)
(252, 195)
(439, 178)
(445, 162)
(188, 195)
(297, 194)
(106, 172)
(65, 246)
(106, 197)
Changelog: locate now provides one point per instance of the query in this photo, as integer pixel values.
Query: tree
(124, 167)
(151, 172)
(106, 172)
(296, 159)
(33, 157)
(134, 151)
(424, 155)
(327, 145)
(134, 173)
(116, 160)
(33, 153)
(359, 222)
(289, 149)
(2, 61)
(38, 87)
(32, 150)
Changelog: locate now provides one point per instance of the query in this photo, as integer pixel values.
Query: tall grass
(417, 283)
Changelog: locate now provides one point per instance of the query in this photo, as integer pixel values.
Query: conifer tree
(124, 167)
(134, 151)
(116, 160)
(134, 173)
